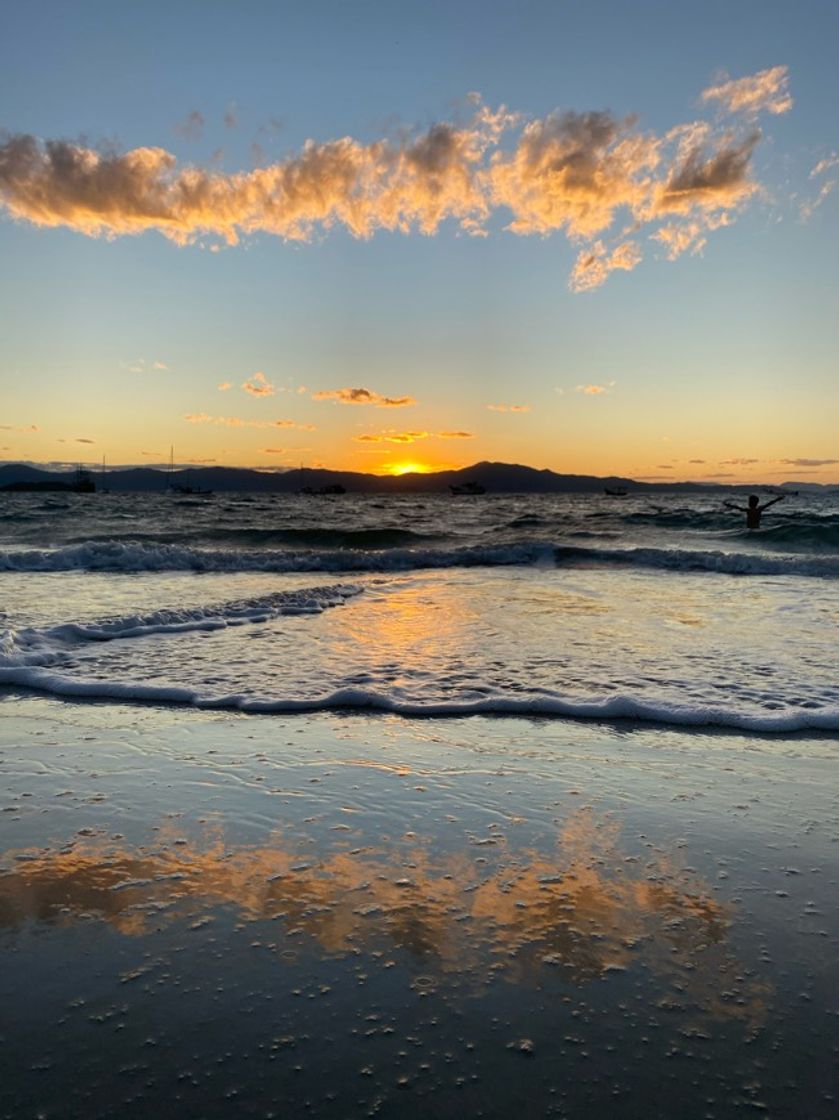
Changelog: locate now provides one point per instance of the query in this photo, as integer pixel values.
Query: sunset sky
(599, 237)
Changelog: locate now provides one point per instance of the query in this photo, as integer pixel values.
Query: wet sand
(343, 916)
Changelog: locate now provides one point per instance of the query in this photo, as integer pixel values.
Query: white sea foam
(615, 707)
(139, 556)
(47, 646)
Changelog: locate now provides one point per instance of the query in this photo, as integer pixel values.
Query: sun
(406, 468)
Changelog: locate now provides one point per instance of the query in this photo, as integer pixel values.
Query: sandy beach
(345, 915)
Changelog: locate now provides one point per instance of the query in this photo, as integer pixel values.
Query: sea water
(662, 608)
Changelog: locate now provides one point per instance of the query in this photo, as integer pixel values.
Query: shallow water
(559, 605)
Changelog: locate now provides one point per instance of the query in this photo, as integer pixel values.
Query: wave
(699, 560)
(49, 646)
(255, 537)
(364, 700)
(144, 556)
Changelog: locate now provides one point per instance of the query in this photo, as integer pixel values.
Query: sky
(590, 236)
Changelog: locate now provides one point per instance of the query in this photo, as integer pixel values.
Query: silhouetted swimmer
(754, 510)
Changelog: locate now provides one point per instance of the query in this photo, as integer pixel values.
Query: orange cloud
(224, 386)
(767, 90)
(594, 264)
(592, 390)
(574, 173)
(509, 407)
(258, 386)
(393, 437)
(362, 396)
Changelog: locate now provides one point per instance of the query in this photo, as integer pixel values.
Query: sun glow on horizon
(406, 468)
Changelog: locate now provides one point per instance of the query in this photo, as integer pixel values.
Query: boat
(615, 491)
(184, 490)
(83, 483)
(323, 491)
(467, 489)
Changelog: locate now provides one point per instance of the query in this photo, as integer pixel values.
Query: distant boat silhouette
(83, 483)
(615, 491)
(467, 488)
(183, 489)
(323, 491)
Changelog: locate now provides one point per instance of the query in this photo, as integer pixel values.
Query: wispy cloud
(738, 462)
(392, 437)
(696, 460)
(508, 407)
(223, 386)
(572, 173)
(238, 422)
(25, 428)
(141, 365)
(258, 386)
(809, 462)
(191, 127)
(231, 116)
(768, 90)
(594, 264)
(361, 397)
(593, 390)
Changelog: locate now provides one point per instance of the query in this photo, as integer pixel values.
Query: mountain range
(496, 478)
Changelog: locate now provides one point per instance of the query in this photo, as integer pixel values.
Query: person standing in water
(754, 510)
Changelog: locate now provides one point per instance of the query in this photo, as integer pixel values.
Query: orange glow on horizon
(405, 468)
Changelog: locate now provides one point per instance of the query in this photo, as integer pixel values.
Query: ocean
(352, 807)
(662, 608)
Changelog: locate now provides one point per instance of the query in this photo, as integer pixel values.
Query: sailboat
(183, 489)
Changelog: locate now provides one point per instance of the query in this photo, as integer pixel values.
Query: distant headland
(493, 478)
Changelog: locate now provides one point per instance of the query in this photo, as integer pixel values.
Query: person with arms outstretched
(754, 511)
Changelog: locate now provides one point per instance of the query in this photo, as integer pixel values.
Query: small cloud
(258, 386)
(591, 390)
(825, 165)
(392, 436)
(455, 435)
(12, 428)
(809, 462)
(807, 209)
(696, 460)
(238, 422)
(223, 386)
(664, 466)
(593, 265)
(231, 116)
(509, 407)
(81, 439)
(142, 366)
(362, 396)
(737, 462)
(769, 90)
(191, 128)
(275, 450)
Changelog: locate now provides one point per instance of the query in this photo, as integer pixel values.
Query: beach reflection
(484, 912)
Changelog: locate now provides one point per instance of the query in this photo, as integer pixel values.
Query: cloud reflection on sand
(482, 913)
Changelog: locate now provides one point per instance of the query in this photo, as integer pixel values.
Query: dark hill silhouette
(496, 478)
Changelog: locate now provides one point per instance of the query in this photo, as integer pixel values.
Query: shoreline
(475, 915)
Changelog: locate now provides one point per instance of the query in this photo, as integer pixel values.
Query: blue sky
(728, 353)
